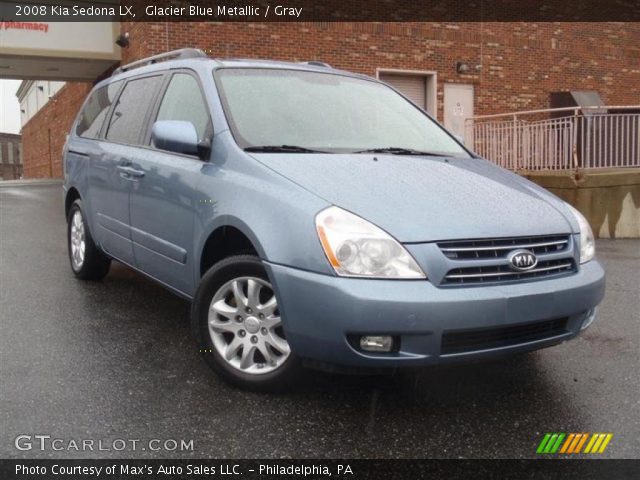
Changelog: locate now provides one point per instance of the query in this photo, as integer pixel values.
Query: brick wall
(44, 135)
(521, 62)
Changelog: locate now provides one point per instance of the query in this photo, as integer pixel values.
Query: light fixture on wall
(123, 40)
(462, 68)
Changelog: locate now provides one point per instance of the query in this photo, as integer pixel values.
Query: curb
(36, 182)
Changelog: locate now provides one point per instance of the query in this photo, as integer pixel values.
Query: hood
(422, 199)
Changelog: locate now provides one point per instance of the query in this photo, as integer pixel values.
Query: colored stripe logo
(572, 443)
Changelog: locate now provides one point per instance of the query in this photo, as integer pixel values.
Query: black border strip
(323, 11)
(582, 469)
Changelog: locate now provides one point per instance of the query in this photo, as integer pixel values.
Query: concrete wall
(610, 199)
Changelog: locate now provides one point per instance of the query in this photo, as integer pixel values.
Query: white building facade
(33, 95)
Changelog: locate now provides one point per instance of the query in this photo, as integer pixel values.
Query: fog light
(376, 344)
(589, 318)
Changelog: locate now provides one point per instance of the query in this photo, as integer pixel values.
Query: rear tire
(236, 321)
(87, 260)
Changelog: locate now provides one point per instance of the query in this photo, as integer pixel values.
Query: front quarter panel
(277, 215)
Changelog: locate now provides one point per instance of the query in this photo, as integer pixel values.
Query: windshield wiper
(400, 151)
(281, 148)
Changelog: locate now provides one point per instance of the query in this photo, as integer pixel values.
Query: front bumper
(320, 311)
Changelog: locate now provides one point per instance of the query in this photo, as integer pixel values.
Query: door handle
(130, 173)
(77, 151)
(135, 173)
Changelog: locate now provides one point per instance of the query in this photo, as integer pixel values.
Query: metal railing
(560, 138)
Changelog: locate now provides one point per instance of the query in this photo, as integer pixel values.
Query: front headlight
(587, 241)
(357, 248)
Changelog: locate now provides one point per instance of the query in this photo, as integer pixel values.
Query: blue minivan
(317, 217)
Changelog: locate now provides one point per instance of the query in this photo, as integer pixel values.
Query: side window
(183, 101)
(95, 110)
(129, 114)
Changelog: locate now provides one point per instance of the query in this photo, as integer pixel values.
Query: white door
(458, 106)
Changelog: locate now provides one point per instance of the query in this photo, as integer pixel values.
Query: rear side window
(95, 110)
(183, 100)
(129, 114)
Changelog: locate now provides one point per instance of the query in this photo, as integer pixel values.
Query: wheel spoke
(253, 293)
(221, 307)
(233, 347)
(268, 307)
(280, 344)
(248, 351)
(220, 326)
(272, 321)
(238, 294)
(266, 353)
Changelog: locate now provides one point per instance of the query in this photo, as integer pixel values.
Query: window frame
(160, 73)
(156, 109)
(107, 117)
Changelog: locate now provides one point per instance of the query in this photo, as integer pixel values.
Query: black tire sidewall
(221, 273)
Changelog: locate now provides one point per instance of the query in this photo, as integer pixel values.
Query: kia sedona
(317, 217)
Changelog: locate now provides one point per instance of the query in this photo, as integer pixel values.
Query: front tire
(87, 260)
(236, 320)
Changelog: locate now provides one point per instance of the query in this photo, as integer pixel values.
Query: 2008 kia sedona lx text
(312, 214)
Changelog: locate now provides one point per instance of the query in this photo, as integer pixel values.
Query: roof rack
(181, 54)
(317, 63)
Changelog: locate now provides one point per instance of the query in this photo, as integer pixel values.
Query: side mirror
(175, 136)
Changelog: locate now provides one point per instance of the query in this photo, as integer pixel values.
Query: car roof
(216, 64)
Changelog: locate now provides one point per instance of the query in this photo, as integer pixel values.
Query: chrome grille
(501, 273)
(500, 247)
(485, 260)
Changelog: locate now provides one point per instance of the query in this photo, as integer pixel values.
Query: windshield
(311, 111)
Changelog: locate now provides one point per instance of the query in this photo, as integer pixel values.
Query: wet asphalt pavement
(115, 360)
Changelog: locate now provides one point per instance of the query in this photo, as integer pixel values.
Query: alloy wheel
(77, 240)
(245, 326)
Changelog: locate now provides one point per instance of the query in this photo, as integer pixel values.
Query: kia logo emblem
(521, 260)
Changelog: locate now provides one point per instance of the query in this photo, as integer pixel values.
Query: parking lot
(115, 360)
